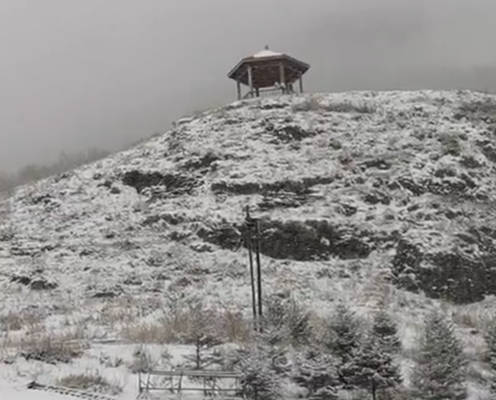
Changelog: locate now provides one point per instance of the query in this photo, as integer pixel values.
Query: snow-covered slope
(349, 186)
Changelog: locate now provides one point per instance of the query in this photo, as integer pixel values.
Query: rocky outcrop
(174, 184)
(450, 275)
(297, 240)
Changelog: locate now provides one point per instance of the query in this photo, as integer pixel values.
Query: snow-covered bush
(142, 361)
(286, 321)
(50, 349)
(92, 381)
(343, 336)
(491, 353)
(260, 372)
(440, 370)
(372, 367)
(385, 331)
(317, 373)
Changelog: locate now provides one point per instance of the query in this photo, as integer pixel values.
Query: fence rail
(213, 384)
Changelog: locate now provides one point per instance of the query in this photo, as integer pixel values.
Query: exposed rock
(449, 275)
(297, 240)
(174, 184)
(198, 163)
(302, 186)
(42, 284)
(291, 133)
(376, 196)
(34, 282)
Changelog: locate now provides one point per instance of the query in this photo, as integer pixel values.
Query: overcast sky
(76, 74)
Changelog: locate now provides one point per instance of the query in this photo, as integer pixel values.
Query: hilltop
(401, 181)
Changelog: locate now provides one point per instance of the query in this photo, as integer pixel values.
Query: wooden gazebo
(268, 71)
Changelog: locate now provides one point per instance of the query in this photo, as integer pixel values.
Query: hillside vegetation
(363, 197)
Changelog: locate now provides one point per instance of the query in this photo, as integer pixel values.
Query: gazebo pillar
(282, 77)
(238, 85)
(301, 84)
(250, 79)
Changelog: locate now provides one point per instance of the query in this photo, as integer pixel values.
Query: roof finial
(266, 47)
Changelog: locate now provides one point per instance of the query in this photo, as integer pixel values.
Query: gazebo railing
(267, 92)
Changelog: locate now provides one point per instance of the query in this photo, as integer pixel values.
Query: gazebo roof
(265, 65)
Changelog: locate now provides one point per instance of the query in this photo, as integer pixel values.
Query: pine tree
(371, 368)
(491, 345)
(318, 374)
(286, 321)
(259, 380)
(344, 334)
(440, 371)
(298, 322)
(384, 329)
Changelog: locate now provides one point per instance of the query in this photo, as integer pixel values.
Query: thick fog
(103, 73)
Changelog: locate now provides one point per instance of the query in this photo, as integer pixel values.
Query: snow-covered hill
(347, 185)
(361, 195)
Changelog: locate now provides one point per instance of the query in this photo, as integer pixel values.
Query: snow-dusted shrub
(371, 368)
(93, 381)
(143, 332)
(477, 110)
(286, 320)
(204, 332)
(313, 103)
(236, 328)
(308, 104)
(349, 107)
(183, 320)
(440, 370)
(450, 144)
(51, 349)
(109, 361)
(142, 361)
(385, 331)
(343, 335)
(15, 321)
(490, 337)
(317, 373)
(260, 372)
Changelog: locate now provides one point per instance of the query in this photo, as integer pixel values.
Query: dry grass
(473, 316)
(177, 325)
(314, 104)
(50, 348)
(89, 381)
(19, 321)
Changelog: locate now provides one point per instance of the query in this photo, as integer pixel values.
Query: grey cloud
(76, 74)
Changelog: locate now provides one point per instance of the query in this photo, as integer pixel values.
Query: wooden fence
(212, 384)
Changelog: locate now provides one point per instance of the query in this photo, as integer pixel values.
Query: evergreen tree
(318, 374)
(344, 334)
(384, 329)
(286, 321)
(259, 378)
(298, 322)
(371, 368)
(440, 371)
(491, 345)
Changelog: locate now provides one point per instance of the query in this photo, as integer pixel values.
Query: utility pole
(252, 240)
(248, 242)
(259, 275)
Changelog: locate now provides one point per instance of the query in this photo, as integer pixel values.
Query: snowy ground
(88, 254)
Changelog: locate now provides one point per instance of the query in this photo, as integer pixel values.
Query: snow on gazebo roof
(267, 53)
